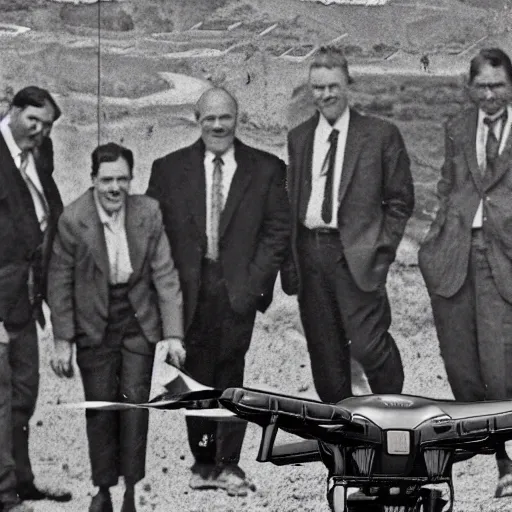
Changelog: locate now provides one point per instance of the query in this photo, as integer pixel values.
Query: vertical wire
(98, 113)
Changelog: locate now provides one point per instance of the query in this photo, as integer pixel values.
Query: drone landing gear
(424, 500)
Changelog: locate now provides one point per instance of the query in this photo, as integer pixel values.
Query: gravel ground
(277, 358)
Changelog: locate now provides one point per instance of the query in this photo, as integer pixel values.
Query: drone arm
(268, 436)
(295, 453)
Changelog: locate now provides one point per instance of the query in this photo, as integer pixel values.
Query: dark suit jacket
(21, 235)
(254, 230)
(79, 273)
(376, 197)
(444, 254)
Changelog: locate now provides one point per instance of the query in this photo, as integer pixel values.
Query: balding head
(216, 112)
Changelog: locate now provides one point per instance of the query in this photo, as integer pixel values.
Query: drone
(394, 450)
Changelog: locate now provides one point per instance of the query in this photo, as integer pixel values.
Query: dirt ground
(154, 125)
(277, 358)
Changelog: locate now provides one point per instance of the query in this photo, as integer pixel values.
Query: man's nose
(217, 124)
(326, 92)
(114, 186)
(489, 93)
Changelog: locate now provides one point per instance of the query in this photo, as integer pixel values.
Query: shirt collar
(116, 219)
(324, 128)
(228, 157)
(482, 115)
(5, 129)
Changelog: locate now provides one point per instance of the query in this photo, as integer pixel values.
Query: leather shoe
(31, 493)
(504, 487)
(233, 480)
(102, 502)
(202, 477)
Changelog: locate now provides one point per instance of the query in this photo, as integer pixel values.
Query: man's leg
(367, 317)
(320, 314)
(24, 361)
(7, 465)
(229, 372)
(100, 369)
(455, 319)
(494, 335)
(135, 384)
(202, 343)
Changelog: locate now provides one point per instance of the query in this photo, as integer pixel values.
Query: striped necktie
(216, 209)
(37, 195)
(492, 145)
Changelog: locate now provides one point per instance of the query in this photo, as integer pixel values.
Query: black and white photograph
(255, 255)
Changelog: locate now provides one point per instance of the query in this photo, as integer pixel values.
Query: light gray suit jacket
(78, 281)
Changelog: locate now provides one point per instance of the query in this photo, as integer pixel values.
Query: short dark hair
(496, 57)
(110, 152)
(331, 57)
(35, 97)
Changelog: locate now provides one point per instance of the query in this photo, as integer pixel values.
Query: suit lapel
(241, 179)
(136, 235)
(94, 235)
(303, 179)
(6, 169)
(193, 185)
(503, 163)
(468, 136)
(356, 138)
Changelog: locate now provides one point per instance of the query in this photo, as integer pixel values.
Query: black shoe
(102, 502)
(504, 487)
(202, 476)
(29, 492)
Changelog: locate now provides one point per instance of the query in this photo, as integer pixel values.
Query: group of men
(180, 272)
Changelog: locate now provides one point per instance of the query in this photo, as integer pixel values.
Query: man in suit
(114, 292)
(226, 214)
(351, 194)
(466, 258)
(30, 205)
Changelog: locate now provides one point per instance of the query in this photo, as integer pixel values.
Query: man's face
(329, 87)
(30, 125)
(217, 117)
(112, 184)
(491, 89)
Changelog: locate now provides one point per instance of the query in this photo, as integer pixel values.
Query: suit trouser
(114, 372)
(333, 311)
(474, 328)
(117, 439)
(19, 385)
(216, 344)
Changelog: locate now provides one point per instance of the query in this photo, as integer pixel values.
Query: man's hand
(61, 361)
(171, 350)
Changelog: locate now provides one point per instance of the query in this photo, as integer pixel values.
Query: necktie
(492, 146)
(330, 158)
(216, 209)
(36, 194)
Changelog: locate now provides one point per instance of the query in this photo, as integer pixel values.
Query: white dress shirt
(321, 146)
(30, 170)
(228, 171)
(114, 229)
(481, 141)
